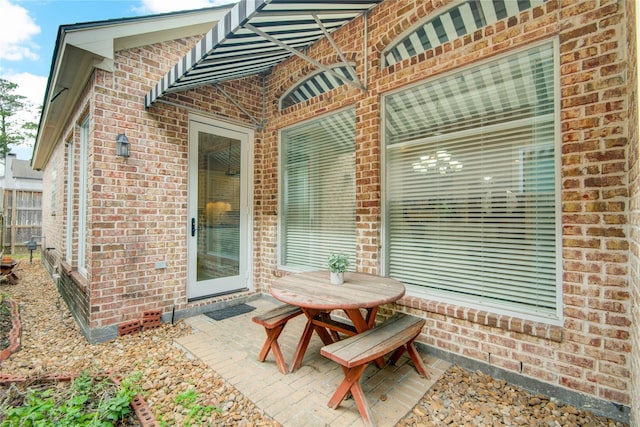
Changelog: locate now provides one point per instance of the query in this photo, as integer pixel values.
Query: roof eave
(82, 48)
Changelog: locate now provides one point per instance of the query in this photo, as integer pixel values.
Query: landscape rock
(53, 344)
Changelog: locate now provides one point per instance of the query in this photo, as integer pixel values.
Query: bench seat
(354, 353)
(274, 322)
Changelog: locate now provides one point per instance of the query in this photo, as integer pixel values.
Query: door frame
(247, 171)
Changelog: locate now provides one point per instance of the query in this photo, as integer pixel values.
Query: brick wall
(55, 213)
(138, 205)
(634, 209)
(595, 196)
(589, 354)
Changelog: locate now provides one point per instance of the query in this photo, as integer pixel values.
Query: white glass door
(218, 226)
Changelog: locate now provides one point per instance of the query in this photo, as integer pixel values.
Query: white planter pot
(337, 278)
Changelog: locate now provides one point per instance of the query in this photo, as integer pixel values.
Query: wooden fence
(21, 219)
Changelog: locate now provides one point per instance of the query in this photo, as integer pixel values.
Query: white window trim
(70, 194)
(82, 197)
(54, 184)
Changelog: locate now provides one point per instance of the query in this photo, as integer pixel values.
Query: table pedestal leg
(361, 325)
(306, 338)
(302, 346)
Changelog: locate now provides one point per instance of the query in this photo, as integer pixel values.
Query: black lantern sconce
(122, 145)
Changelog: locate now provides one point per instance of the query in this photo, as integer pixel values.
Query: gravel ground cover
(52, 344)
(470, 399)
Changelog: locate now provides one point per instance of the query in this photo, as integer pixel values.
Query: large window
(317, 207)
(82, 197)
(70, 199)
(54, 184)
(471, 186)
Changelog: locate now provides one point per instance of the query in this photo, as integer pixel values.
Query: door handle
(193, 227)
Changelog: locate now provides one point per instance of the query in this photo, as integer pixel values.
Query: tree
(13, 130)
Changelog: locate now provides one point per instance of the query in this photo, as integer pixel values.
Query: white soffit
(82, 47)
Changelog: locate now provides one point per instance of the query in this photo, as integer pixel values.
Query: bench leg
(361, 403)
(306, 338)
(396, 355)
(351, 377)
(271, 343)
(351, 383)
(413, 353)
(302, 346)
(417, 361)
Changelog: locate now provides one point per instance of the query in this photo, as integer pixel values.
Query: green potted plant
(338, 264)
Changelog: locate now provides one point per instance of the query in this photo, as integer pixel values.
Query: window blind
(318, 191)
(471, 184)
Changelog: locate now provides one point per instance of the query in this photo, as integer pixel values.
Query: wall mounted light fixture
(122, 145)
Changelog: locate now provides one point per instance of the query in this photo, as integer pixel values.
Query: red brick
(129, 328)
(576, 384)
(577, 361)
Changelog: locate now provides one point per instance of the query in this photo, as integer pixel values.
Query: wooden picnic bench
(274, 322)
(355, 353)
(7, 269)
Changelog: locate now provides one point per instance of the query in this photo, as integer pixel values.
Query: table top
(314, 290)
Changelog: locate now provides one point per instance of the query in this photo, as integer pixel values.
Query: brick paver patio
(231, 347)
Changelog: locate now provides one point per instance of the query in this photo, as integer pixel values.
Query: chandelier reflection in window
(441, 162)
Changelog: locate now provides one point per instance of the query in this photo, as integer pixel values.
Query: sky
(28, 31)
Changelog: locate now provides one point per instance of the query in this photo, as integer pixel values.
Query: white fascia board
(99, 42)
(107, 38)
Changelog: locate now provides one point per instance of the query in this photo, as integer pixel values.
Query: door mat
(228, 312)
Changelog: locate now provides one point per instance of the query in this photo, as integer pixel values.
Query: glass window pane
(318, 206)
(471, 184)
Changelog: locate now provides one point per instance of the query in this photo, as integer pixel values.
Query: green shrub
(88, 402)
(194, 412)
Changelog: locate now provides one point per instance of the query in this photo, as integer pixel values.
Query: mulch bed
(15, 392)
(5, 323)
(51, 343)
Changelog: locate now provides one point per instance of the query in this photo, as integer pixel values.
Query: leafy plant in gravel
(89, 402)
(195, 412)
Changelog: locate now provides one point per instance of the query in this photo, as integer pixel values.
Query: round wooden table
(317, 297)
